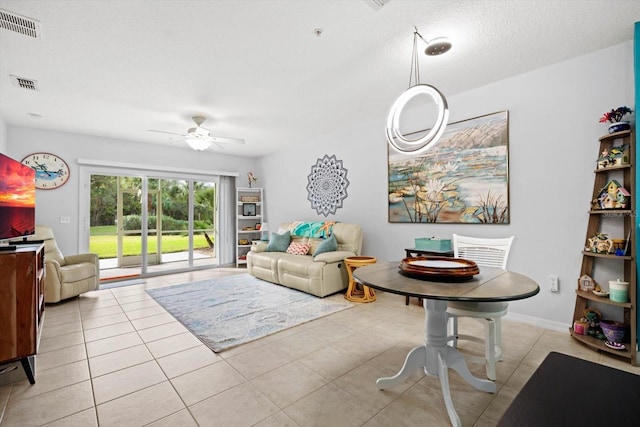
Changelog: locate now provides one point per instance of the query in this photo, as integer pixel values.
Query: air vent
(24, 83)
(20, 24)
(377, 4)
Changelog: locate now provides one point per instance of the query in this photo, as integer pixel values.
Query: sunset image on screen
(17, 198)
(16, 186)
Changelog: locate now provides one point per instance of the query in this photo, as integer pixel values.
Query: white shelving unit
(249, 214)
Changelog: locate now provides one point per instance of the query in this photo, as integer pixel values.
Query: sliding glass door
(159, 224)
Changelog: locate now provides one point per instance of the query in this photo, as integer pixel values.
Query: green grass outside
(104, 240)
(103, 230)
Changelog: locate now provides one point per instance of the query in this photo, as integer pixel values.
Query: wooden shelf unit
(598, 218)
(21, 305)
(247, 221)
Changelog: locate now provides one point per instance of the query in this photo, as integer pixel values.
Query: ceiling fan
(200, 138)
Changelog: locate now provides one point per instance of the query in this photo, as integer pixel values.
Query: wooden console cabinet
(21, 304)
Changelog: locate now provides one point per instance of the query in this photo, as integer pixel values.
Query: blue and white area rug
(227, 311)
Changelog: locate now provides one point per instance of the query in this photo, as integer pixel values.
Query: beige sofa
(322, 275)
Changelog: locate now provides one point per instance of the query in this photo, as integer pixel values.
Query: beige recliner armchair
(66, 276)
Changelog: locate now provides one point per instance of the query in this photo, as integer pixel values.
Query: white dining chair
(487, 253)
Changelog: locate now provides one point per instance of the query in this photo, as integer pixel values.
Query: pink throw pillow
(298, 248)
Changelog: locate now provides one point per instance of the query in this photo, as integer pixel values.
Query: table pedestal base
(435, 357)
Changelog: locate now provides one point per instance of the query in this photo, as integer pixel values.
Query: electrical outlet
(553, 282)
(65, 220)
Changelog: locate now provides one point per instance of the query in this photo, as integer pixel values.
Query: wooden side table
(356, 291)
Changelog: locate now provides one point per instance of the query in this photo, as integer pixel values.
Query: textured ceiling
(257, 70)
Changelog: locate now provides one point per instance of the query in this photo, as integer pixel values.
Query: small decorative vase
(619, 126)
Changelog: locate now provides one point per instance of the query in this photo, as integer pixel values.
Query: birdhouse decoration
(614, 156)
(613, 196)
(586, 283)
(599, 244)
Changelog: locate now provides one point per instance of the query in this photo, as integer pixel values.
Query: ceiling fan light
(201, 131)
(198, 144)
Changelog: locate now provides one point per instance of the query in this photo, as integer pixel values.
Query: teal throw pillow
(329, 245)
(279, 242)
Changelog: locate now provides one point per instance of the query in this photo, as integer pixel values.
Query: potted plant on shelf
(615, 118)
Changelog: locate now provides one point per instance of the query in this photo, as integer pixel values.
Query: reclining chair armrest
(88, 257)
(53, 277)
(259, 246)
(76, 259)
(53, 268)
(333, 256)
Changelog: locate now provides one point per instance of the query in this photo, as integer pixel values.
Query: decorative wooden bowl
(439, 268)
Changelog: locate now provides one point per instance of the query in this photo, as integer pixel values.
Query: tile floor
(116, 358)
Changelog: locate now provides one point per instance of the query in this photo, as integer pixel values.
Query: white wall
(3, 136)
(553, 144)
(52, 204)
(553, 128)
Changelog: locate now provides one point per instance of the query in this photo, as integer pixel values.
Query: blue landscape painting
(464, 178)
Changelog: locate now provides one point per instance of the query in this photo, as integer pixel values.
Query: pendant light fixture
(394, 136)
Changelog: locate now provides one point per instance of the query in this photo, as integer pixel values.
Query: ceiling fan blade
(227, 140)
(170, 133)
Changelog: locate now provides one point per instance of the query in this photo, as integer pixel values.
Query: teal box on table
(433, 244)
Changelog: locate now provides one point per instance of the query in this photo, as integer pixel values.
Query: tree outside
(174, 209)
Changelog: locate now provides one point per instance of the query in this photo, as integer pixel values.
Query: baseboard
(538, 321)
(119, 284)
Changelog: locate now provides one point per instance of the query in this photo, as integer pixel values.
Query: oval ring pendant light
(394, 136)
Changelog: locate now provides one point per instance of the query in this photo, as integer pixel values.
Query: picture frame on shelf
(248, 209)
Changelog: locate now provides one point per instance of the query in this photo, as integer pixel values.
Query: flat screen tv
(17, 199)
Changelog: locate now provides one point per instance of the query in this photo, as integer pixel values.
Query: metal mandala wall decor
(327, 185)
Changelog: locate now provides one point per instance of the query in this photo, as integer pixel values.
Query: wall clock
(51, 171)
